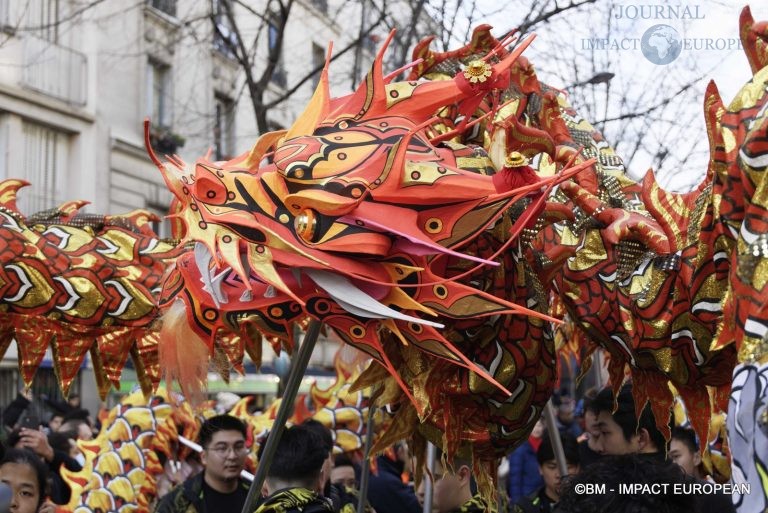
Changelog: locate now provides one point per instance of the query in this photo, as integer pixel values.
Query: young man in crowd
(627, 471)
(219, 486)
(296, 478)
(621, 432)
(546, 497)
(455, 489)
(684, 450)
(589, 438)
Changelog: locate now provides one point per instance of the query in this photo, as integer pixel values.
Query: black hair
(73, 425)
(457, 463)
(59, 441)
(220, 423)
(588, 399)
(611, 472)
(319, 428)
(687, 436)
(299, 456)
(547, 453)
(625, 415)
(27, 457)
(342, 460)
(13, 438)
(80, 414)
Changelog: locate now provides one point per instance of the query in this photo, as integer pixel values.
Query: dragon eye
(306, 224)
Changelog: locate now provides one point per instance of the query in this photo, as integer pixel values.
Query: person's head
(590, 419)
(453, 486)
(74, 401)
(327, 437)
(26, 475)
(684, 450)
(566, 409)
(223, 441)
(548, 468)
(621, 432)
(54, 423)
(343, 472)
(64, 441)
(611, 472)
(298, 461)
(78, 426)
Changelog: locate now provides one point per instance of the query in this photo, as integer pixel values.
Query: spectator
(65, 442)
(344, 483)
(588, 441)
(566, 420)
(325, 435)
(26, 475)
(79, 427)
(628, 469)
(219, 486)
(621, 432)
(37, 441)
(524, 475)
(545, 498)
(455, 490)
(684, 450)
(343, 472)
(386, 491)
(55, 422)
(295, 477)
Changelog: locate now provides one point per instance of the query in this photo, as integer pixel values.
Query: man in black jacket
(621, 432)
(544, 499)
(386, 491)
(296, 475)
(219, 486)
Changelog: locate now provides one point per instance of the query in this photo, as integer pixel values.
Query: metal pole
(429, 483)
(554, 438)
(597, 364)
(365, 471)
(295, 375)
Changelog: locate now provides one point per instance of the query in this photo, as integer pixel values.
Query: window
(166, 6)
(224, 37)
(278, 76)
(43, 16)
(159, 94)
(224, 128)
(318, 59)
(46, 152)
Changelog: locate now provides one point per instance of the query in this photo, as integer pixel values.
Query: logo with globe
(661, 44)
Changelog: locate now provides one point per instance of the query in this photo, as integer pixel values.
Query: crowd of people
(602, 444)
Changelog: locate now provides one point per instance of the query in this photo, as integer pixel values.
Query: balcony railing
(55, 70)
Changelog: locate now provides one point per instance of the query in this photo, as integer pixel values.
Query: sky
(710, 50)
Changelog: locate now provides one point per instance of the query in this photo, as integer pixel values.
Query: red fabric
(509, 179)
(535, 443)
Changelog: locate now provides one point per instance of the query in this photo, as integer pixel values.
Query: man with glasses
(219, 486)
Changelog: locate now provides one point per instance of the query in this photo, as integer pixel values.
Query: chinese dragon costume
(80, 284)
(407, 218)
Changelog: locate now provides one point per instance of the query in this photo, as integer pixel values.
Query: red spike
(148, 145)
(395, 73)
